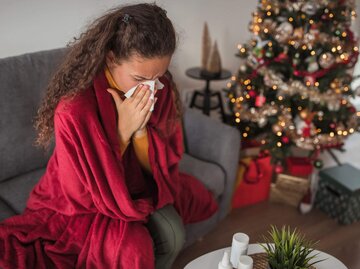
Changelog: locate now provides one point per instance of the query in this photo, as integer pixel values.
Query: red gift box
(299, 166)
(254, 179)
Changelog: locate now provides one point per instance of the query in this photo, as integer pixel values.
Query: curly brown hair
(141, 29)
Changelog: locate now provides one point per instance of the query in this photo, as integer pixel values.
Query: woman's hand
(141, 130)
(133, 111)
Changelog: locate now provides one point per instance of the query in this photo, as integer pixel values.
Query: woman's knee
(178, 239)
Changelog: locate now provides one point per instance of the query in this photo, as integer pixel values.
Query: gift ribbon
(259, 174)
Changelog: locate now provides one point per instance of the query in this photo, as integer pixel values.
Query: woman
(112, 195)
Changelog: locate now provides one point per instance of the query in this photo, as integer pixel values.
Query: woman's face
(129, 73)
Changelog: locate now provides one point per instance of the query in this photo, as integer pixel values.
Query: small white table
(211, 259)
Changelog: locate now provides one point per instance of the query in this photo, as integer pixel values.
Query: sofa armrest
(215, 142)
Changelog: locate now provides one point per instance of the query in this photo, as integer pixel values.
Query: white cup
(245, 262)
(239, 246)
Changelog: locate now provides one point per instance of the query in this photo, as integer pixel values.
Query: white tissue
(152, 84)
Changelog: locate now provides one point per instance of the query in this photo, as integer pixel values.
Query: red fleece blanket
(89, 208)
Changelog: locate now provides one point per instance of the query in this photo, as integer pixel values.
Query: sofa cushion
(210, 174)
(5, 211)
(15, 191)
(24, 80)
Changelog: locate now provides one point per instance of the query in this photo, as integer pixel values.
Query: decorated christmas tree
(293, 84)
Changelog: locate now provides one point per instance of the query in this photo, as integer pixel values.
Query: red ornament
(260, 100)
(341, 2)
(352, 110)
(252, 93)
(285, 139)
(332, 125)
(282, 56)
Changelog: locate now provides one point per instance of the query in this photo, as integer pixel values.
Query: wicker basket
(261, 261)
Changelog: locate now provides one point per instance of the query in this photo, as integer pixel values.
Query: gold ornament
(310, 7)
(270, 25)
(335, 84)
(276, 128)
(309, 38)
(283, 32)
(304, 114)
(295, 6)
(262, 122)
(298, 33)
(333, 104)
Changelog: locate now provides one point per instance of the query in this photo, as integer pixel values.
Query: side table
(207, 93)
(211, 259)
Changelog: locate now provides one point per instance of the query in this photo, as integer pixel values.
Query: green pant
(168, 233)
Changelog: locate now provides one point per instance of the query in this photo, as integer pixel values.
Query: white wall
(32, 25)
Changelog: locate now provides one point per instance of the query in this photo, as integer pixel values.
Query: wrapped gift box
(284, 197)
(299, 152)
(339, 193)
(250, 152)
(299, 166)
(253, 181)
(292, 183)
(250, 148)
(289, 189)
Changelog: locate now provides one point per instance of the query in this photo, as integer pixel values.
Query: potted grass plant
(288, 249)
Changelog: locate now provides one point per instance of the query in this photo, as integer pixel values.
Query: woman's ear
(110, 59)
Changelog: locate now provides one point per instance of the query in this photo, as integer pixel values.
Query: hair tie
(126, 18)
(163, 12)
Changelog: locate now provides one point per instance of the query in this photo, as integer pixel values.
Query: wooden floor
(342, 242)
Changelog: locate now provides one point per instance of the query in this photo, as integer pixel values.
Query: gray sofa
(212, 147)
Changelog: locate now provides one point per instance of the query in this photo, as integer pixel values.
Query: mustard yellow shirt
(139, 142)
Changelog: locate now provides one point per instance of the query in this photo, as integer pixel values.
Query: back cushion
(23, 81)
(15, 191)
